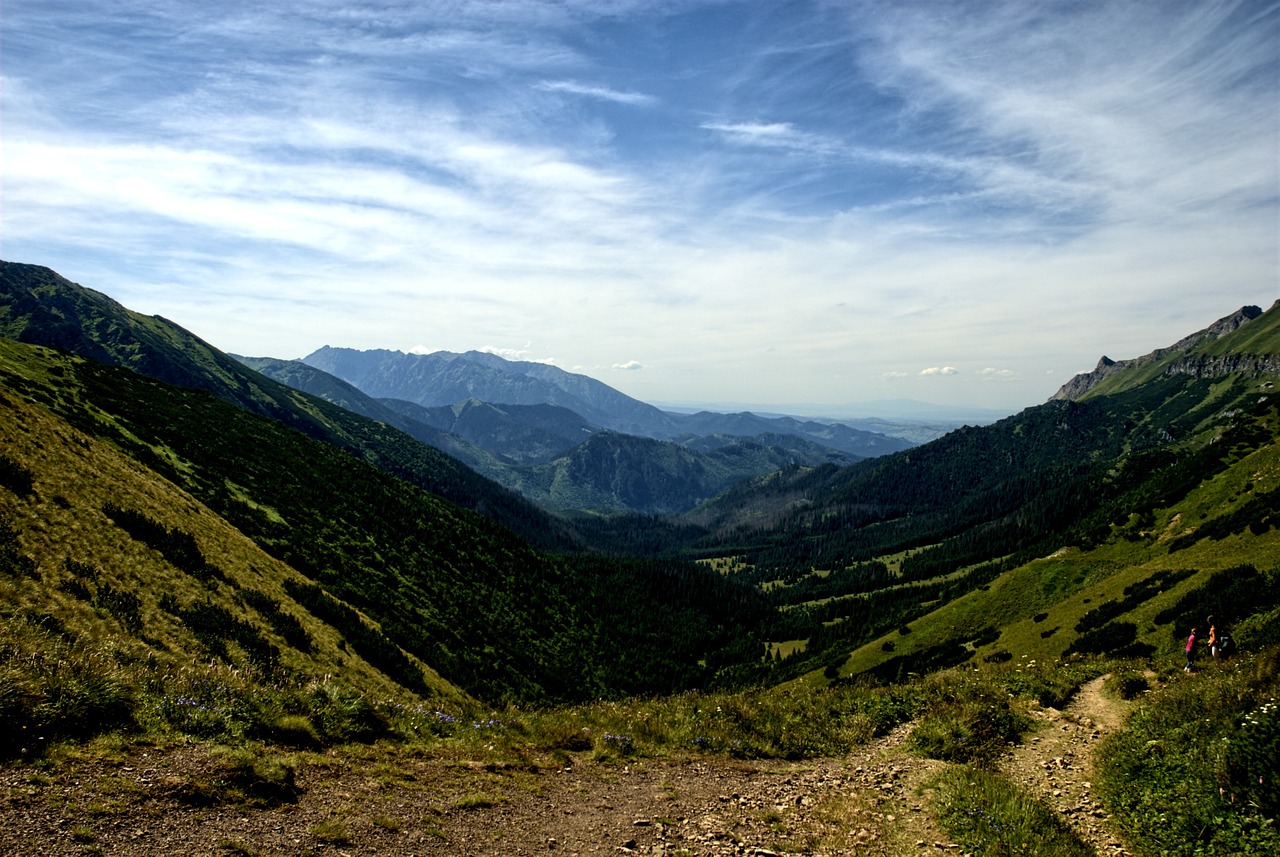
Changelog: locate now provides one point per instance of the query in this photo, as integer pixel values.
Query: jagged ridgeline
(267, 548)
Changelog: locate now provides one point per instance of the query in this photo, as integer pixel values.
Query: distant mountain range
(553, 454)
(443, 378)
(565, 440)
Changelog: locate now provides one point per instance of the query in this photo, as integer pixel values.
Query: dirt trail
(1056, 762)
(868, 803)
(139, 804)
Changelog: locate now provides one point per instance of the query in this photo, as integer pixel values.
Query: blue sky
(771, 203)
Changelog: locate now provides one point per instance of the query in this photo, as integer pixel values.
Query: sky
(799, 205)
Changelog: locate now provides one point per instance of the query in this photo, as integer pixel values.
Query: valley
(254, 607)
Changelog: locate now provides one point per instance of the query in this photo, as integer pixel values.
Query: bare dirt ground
(149, 801)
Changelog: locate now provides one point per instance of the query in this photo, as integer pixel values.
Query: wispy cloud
(603, 93)
(788, 201)
(629, 366)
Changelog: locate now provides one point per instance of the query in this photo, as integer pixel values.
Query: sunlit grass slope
(1135, 591)
(104, 630)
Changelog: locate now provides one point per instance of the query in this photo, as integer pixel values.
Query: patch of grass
(332, 831)
(1128, 683)
(989, 815)
(296, 731)
(54, 687)
(975, 728)
(386, 823)
(479, 800)
(244, 775)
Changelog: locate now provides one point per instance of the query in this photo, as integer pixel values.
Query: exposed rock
(1196, 365)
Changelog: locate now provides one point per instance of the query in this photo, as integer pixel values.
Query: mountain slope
(518, 434)
(123, 596)
(892, 535)
(449, 586)
(1135, 589)
(1214, 352)
(444, 378)
(40, 307)
(307, 379)
(613, 473)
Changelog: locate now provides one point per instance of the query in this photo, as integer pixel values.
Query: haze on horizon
(695, 202)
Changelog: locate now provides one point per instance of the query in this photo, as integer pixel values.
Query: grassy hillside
(850, 554)
(1137, 593)
(37, 306)
(448, 585)
(101, 629)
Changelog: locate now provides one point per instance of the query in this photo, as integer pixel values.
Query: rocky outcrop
(1197, 365)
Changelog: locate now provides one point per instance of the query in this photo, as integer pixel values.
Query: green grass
(988, 815)
(479, 800)
(1196, 767)
(332, 831)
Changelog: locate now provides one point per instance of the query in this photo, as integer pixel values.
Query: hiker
(1213, 639)
(1191, 645)
(1225, 644)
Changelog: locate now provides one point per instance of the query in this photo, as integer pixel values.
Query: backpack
(1225, 645)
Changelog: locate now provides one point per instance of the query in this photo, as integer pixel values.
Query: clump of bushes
(219, 702)
(52, 688)
(15, 477)
(1127, 683)
(975, 727)
(247, 776)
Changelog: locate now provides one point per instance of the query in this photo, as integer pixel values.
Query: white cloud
(940, 370)
(602, 92)
(629, 366)
(520, 355)
(998, 374)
